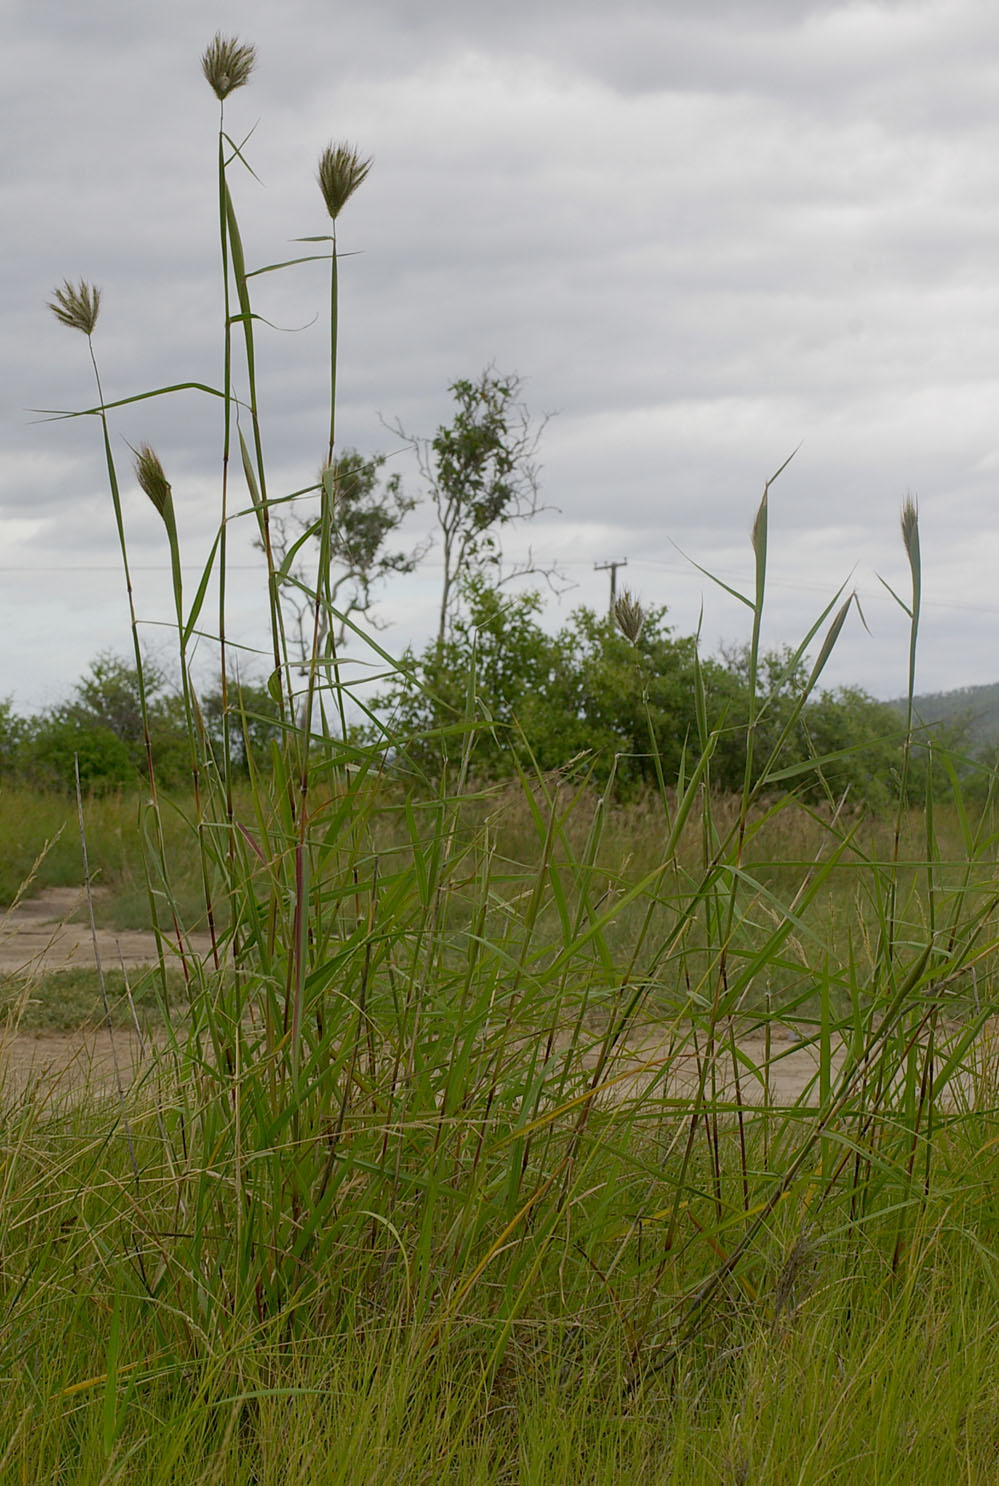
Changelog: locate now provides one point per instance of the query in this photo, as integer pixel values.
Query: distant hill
(973, 711)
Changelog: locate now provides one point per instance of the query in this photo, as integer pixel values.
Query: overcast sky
(703, 236)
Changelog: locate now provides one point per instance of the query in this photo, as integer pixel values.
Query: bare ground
(35, 937)
(53, 1064)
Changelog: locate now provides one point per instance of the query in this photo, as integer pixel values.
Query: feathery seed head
(227, 63)
(77, 307)
(759, 537)
(630, 616)
(910, 527)
(341, 171)
(149, 473)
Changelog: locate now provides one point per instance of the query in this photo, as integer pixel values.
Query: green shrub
(105, 761)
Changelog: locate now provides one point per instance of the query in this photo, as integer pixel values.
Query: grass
(42, 850)
(388, 1205)
(68, 999)
(822, 1358)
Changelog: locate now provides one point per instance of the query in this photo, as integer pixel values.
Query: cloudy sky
(703, 236)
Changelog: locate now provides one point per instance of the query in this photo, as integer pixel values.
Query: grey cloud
(701, 240)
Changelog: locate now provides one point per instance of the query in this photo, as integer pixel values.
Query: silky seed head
(910, 527)
(341, 171)
(760, 527)
(793, 1280)
(630, 616)
(77, 307)
(227, 63)
(149, 473)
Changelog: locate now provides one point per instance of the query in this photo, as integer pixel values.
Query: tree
(255, 723)
(109, 698)
(624, 696)
(101, 726)
(868, 735)
(102, 722)
(481, 473)
(629, 699)
(60, 742)
(586, 691)
(13, 732)
(494, 655)
(366, 515)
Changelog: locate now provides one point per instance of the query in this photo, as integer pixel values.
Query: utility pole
(601, 567)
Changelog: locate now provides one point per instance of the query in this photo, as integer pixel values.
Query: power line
(576, 562)
(149, 567)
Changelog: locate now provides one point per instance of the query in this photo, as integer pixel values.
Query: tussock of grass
(392, 1205)
(830, 1362)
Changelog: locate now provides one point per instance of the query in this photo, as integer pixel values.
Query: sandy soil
(53, 1064)
(66, 1061)
(792, 1069)
(35, 936)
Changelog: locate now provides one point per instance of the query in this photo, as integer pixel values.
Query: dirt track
(35, 937)
(73, 1060)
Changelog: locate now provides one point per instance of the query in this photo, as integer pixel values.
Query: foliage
(629, 707)
(111, 697)
(365, 516)
(105, 761)
(624, 701)
(13, 731)
(255, 724)
(106, 723)
(866, 735)
(970, 712)
(584, 694)
(481, 474)
(496, 653)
